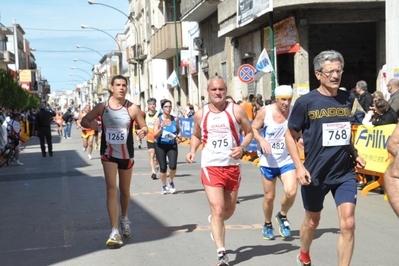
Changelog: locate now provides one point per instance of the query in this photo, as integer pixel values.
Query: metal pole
(16, 48)
(92, 2)
(72, 67)
(88, 27)
(80, 46)
(138, 60)
(272, 52)
(84, 61)
(177, 52)
(120, 65)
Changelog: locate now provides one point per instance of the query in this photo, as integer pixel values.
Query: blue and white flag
(263, 65)
(173, 81)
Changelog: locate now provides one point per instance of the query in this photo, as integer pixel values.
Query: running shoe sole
(117, 241)
(300, 263)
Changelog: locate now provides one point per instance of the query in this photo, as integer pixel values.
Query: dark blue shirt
(326, 164)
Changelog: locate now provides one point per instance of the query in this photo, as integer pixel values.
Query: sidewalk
(53, 212)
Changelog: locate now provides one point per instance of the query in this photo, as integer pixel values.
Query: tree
(13, 96)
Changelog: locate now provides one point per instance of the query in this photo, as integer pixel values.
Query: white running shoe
(165, 189)
(19, 163)
(172, 188)
(89, 156)
(84, 149)
(114, 239)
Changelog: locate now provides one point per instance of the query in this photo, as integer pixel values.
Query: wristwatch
(243, 149)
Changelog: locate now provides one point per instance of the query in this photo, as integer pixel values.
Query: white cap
(283, 91)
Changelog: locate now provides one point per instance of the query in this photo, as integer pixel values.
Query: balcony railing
(198, 10)
(7, 57)
(163, 42)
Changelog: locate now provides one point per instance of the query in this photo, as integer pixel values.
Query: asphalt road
(52, 212)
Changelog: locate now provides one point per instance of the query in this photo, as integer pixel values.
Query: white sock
(115, 231)
(223, 249)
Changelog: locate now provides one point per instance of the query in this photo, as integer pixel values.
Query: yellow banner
(371, 144)
(25, 75)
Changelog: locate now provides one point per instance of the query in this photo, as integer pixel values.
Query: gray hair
(216, 77)
(361, 84)
(329, 55)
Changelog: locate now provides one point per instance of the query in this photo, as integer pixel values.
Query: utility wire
(69, 30)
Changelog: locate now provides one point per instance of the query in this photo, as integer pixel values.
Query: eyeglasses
(331, 72)
(167, 106)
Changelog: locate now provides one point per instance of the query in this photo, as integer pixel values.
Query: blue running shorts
(271, 173)
(313, 196)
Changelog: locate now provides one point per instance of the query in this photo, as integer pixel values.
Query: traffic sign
(246, 73)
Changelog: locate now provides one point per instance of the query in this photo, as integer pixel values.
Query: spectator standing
(329, 162)
(179, 110)
(186, 110)
(43, 121)
(3, 115)
(258, 105)
(68, 118)
(248, 107)
(218, 125)
(393, 88)
(191, 111)
(357, 113)
(202, 103)
(365, 98)
(31, 119)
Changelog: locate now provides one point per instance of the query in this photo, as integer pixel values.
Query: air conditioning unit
(197, 43)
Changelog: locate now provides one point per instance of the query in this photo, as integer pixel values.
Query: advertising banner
(25, 75)
(248, 10)
(186, 126)
(286, 38)
(25, 85)
(371, 144)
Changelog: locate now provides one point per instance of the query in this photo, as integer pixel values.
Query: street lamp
(88, 27)
(119, 47)
(130, 18)
(78, 76)
(83, 61)
(81, 46)
(72, 67)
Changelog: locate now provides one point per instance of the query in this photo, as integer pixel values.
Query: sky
(53, 28)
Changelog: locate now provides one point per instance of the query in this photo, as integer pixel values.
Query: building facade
(216, 37)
